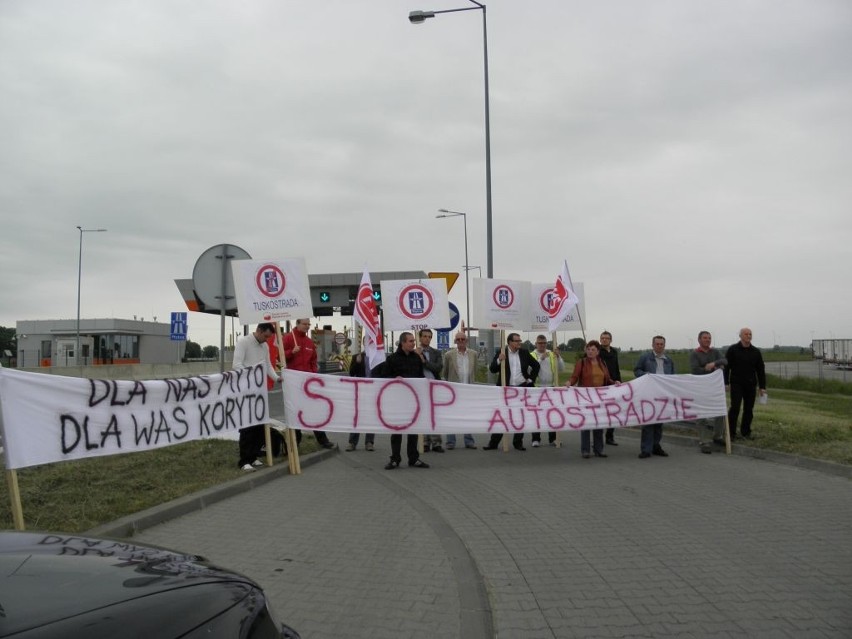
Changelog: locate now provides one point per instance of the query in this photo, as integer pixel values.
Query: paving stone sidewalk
(541, 543)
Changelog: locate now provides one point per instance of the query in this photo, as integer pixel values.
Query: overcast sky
(690, 159)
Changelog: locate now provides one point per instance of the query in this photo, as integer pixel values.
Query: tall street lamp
(419, 17)
(447, 213)
(79, 280)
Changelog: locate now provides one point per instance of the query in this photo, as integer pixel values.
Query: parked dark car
(54, 585)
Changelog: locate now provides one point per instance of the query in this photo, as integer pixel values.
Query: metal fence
(815, 369)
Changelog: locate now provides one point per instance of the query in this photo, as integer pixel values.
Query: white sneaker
(248, 468)
(536, 444)
(257, 463)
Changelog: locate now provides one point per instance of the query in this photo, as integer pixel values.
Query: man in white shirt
(551, 365)
(251, 350)
(521, 370)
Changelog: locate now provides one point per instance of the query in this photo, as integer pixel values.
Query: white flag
(367, 315)
(562, 300)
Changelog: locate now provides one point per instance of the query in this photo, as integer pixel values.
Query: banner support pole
(15, 499)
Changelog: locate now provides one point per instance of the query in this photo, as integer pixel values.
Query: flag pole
(556, 380)
(579, 314)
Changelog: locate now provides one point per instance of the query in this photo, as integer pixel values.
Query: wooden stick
(556, 380)
(727, 436)
(503, 365)
(290, 436)
(15, 498)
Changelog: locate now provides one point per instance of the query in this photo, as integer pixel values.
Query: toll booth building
(102, 341)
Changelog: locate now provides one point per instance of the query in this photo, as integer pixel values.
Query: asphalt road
(540, 544)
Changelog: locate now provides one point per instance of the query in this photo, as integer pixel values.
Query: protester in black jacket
(745, 372)
(404, 363)
(521, 370)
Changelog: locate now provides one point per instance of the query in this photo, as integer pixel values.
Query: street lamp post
(447, 213)
(419, 17)
(79, 280)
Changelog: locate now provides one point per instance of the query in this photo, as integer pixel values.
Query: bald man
(744, 375)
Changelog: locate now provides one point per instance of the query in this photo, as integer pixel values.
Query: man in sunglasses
(460, 367)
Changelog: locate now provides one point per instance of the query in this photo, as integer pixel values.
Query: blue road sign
(455, 316)
(178, 328)
(443, 340)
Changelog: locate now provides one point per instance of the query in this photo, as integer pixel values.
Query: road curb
(126, 527)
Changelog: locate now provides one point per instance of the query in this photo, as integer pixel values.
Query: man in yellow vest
(551, 365)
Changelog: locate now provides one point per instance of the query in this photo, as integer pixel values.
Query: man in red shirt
(301, 355)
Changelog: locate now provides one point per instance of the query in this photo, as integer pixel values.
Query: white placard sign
(424, 406)
(52, 418)
(539, 319)
(501, 304)
(409, 305)
(272, 290)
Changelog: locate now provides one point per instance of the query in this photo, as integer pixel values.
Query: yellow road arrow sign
(450, 277)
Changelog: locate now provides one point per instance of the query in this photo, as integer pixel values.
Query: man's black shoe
(644, 455)
(659, 452)
(520, 448)
(611, 442)
(489, 447)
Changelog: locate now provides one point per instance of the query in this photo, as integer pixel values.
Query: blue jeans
(354, 437)
(451, 441)
(652, 435)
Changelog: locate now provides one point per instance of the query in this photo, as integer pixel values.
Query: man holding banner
(653, 362)
(551, 364)
(249, 351)
(522, 370)
(301, 355)
(404, 363)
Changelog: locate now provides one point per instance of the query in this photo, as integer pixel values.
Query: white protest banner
(271, 290)
(410, 305)
(423, 406)
(539, 319)
(50, 418)
(501, 304)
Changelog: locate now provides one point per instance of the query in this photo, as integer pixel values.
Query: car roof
(48, 577)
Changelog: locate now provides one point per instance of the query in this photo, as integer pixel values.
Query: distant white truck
(837, 352)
